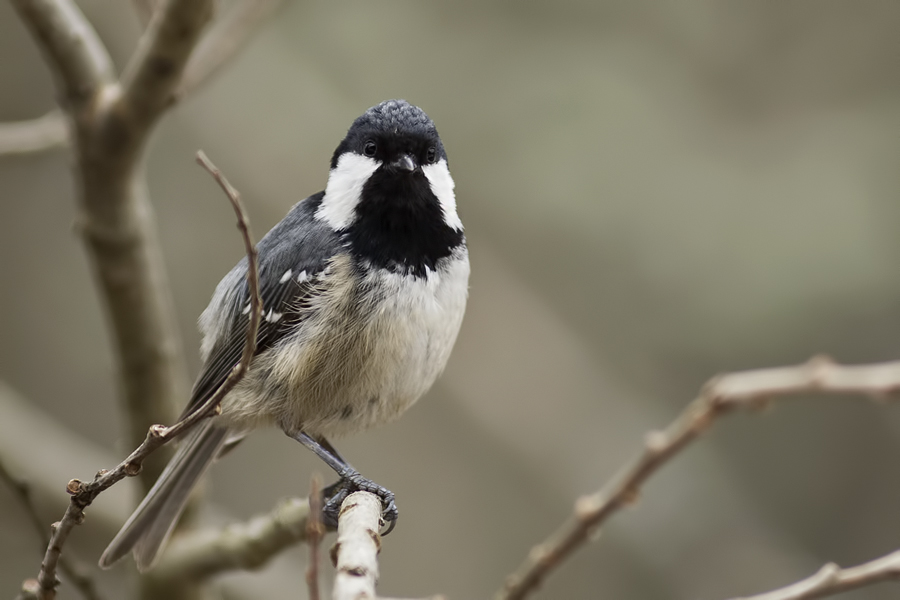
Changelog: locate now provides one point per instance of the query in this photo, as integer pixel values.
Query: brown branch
(34, 135)
(721, 395)
(199, 555)
(315, 531)
(831, 580)
(74, 571)
(227, 36)
(155, 69)
(63, 452)
(110, 127)
(77, 57)
(83, 494)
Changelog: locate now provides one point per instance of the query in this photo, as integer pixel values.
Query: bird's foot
(336, 493)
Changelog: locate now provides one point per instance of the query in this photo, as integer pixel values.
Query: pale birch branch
(831, 580)
(355, 553)
(721, 395)
(34, 135)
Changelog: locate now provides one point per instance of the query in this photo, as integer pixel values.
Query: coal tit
(363, 286)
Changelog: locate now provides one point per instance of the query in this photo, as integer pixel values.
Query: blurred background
(653, 193)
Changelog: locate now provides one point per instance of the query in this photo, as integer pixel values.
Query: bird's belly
(365, 363)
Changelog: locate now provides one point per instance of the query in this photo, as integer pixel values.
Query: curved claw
(336, 493)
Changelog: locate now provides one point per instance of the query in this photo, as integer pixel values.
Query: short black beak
(405, 162)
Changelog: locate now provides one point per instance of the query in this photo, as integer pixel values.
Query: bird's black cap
(391, 118)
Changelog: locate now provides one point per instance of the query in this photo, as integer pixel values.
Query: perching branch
(355, 553)
(34, 135)
(721, 395)
(831, 580)
(83, 494)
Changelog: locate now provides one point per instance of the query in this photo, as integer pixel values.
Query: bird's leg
(350, 481)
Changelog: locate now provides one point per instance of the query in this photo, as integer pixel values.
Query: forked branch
(721, 395)
(84, 493)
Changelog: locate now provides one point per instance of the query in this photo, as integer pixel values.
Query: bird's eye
(431, 156)
(370, 148)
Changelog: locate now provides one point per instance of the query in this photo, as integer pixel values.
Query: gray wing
(292, 256)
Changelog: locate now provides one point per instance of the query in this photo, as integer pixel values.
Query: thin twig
(831, 580)
(315, 531)
(74, 571)
(34, 135)
(226, 37)
(83, 494)
(721, 395)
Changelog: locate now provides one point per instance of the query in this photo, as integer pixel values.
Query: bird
(363, 287)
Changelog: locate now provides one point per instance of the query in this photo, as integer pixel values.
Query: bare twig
(23, 427)
(831, 580)
(315, 531)
(226, 37)
(252, 268)
(34, 135)
(83, 494)
(721, 395)
(74, 571)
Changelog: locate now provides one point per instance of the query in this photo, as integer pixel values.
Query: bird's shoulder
(294, 256)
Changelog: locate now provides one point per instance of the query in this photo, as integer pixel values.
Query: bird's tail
(148, 528)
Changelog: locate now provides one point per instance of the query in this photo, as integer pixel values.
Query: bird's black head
(390, 193)
(391, 133)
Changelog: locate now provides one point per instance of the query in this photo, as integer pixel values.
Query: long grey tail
(148, 528)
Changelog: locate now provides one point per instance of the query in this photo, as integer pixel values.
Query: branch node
(820, 365)
(585, 508)
(133, 468)
(73, 487)
(656, 442)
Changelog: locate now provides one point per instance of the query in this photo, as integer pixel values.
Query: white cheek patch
(344, 189)
(442, 186)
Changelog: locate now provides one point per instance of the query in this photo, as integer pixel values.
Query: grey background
(653, 193)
